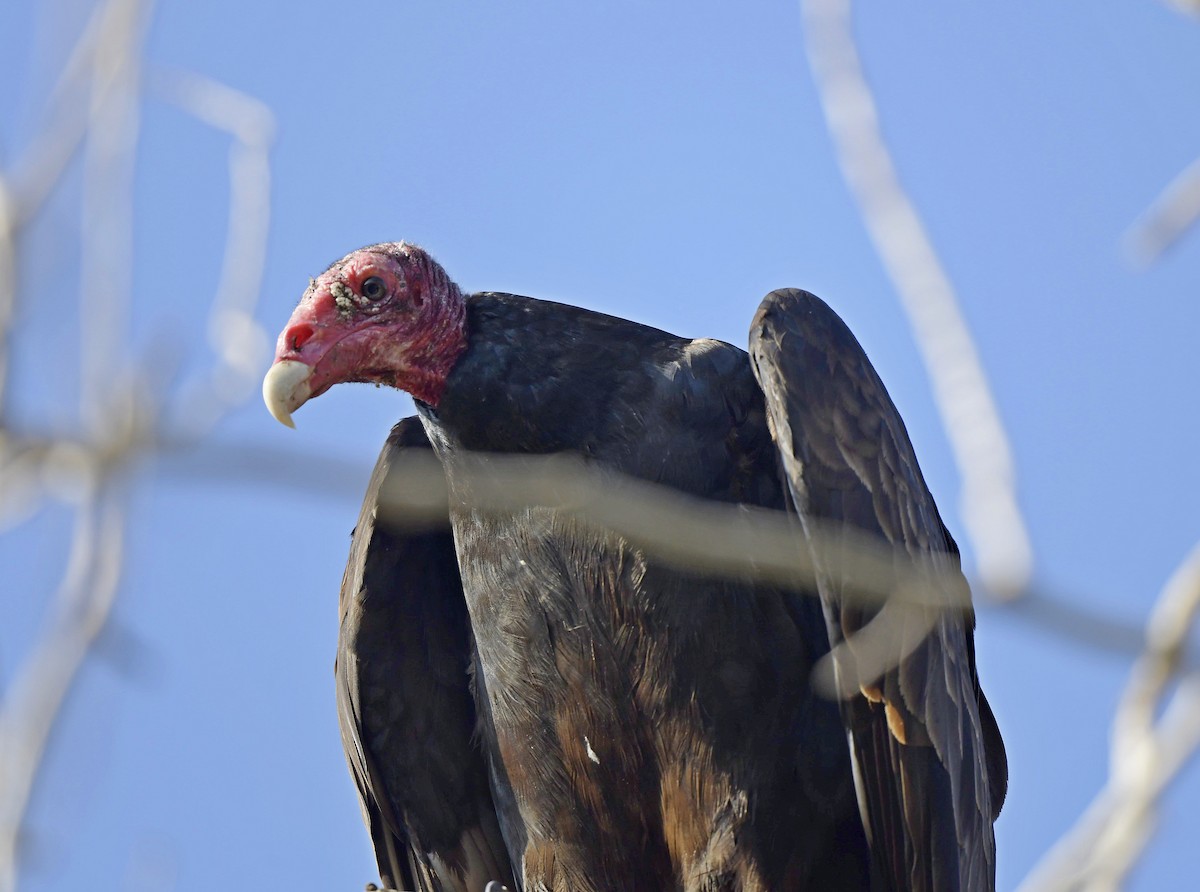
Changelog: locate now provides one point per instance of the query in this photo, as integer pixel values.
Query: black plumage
(405, 711)
(924, 738)
(646, 727)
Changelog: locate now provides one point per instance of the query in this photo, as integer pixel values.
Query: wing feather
(925, 743)
(405, 707)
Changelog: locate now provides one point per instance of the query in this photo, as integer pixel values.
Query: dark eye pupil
(373, 288)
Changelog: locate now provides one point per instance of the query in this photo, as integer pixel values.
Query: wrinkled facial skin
(343, 334)
(384, 315)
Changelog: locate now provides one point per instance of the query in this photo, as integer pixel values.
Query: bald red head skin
(384, 314)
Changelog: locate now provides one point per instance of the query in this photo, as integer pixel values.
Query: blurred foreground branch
(737, 540)
(964, 399)
(1169, 217)
(1146, 755)
(106, 59)
(1153, 737)
(1191, 7)
(33, 701)
(94, 112)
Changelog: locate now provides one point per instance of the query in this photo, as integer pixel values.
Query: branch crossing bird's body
(642, 727)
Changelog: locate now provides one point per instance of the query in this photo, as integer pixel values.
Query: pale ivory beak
(286, 389)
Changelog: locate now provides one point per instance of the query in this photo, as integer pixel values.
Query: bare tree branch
(41, 166)
(107, 238)
(34, 699)
(1189, 7)
(1167, 220)
(989, 498)
(117, 423)
(1098, 853)
(1147, 754)
(106, 58)
(680, 529)
(8, 293)
(241, 344)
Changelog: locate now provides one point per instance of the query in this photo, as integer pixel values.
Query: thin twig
(8, 294)
(40, 167)
(1169, 217)
(241, 344)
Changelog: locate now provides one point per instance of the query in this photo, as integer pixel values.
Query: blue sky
(665, 162)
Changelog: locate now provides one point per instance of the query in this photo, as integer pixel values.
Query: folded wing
(405, 707)
(929, 761)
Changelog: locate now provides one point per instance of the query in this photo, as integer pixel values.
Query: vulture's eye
(373, 288)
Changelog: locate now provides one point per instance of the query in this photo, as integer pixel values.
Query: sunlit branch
(989, 499)
(241, 345)
(107, 238)
(692, 534)
(1191, 7)
(1168, 218)
(41, 165)
(8, 297)
(33, 700)
(1147, 752)
(96, 106)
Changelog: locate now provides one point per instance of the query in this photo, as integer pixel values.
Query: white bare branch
(241, 344)
(8, 294)
(990, 507)
(96, 107)
(1189, 7)
(1147, 754)
(737, 540)
(1169, 217)
(1098, 853)
(107, 238)
(34, 699)
(41, 165)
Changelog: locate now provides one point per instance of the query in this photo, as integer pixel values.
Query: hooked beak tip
(286, 389)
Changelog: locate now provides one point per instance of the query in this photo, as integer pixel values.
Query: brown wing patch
(895, 723)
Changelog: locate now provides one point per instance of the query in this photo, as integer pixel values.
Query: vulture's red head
(385, 314)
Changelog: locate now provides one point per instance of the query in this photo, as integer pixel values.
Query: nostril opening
(298, 336)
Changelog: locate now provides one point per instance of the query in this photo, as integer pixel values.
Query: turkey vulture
(641, 726)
